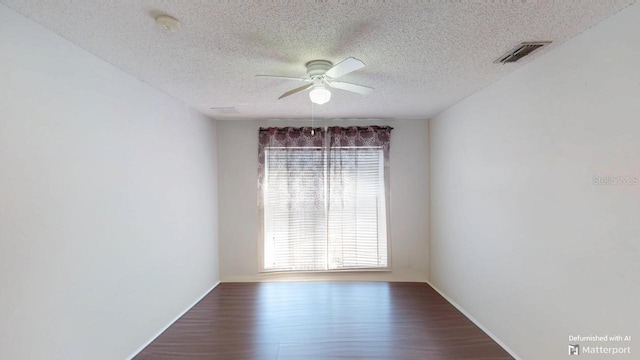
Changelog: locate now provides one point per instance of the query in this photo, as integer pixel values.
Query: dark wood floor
(323, 320)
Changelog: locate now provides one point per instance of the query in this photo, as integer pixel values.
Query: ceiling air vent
(523, 49)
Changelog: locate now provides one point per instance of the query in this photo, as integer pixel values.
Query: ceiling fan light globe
(320, 95)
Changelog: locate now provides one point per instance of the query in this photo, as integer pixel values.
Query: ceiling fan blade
(291, 92)
(283, 77)
(344, 67)
(360, 89)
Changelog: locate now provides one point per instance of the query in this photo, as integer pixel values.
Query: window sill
(304, 272)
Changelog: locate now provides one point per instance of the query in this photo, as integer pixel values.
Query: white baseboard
(476, 322)
(172, 321)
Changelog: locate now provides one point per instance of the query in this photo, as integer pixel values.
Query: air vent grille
(520, 51)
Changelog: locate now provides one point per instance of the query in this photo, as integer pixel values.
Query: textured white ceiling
(421, 56)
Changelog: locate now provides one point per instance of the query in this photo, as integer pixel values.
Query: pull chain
(312, 130)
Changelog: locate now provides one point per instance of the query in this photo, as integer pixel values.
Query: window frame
(385, 177)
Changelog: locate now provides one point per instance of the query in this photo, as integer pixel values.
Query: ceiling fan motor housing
(317, 68)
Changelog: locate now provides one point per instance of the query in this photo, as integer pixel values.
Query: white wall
(108, 202)
(238, 173)
(522, 238)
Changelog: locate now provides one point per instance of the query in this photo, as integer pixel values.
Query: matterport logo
(574, 349)
(578, 349)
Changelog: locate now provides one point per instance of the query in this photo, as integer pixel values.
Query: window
(323, 199)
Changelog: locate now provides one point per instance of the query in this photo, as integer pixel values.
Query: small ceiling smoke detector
(521, 50)
(168, 23)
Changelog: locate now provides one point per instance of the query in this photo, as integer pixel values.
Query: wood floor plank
(323, 320)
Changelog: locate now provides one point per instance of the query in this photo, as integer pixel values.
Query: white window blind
(324, 210)
(357, 229)
(294, 209)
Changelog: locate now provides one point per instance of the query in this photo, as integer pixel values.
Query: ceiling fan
(322, 73)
